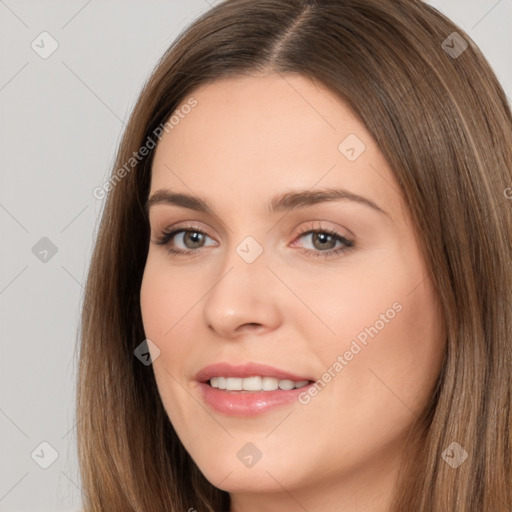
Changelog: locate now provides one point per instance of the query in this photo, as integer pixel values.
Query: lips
(247, 370)
(245, 404)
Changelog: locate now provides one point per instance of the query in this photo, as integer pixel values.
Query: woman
(224, 365)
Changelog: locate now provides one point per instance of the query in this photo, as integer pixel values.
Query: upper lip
(246, 370)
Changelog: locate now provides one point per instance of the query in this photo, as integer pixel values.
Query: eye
(324, 242)
(191, 236)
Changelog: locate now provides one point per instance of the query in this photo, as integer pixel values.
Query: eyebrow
(284, 202)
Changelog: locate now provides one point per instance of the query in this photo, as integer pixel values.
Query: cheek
(167, 306)
(166, 299)
(387, 353)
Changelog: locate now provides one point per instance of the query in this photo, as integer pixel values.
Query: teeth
(255, 383)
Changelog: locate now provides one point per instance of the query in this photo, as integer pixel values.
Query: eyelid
(320, 225)
(189, 225)
(184, 226)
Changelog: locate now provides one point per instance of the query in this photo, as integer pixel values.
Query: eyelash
(166, 236)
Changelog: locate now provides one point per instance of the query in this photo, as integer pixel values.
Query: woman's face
(314, 285)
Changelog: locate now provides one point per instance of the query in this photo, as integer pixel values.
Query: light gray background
(61, 119)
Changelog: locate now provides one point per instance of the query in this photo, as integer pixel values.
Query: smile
(255, 383)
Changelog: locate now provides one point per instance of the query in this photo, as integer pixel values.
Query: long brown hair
(441, 119)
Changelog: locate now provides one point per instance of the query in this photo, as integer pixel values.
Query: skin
(247, 140)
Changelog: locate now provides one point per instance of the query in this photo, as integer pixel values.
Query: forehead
(251, 137)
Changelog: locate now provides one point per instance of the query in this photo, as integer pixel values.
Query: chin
(238, 479)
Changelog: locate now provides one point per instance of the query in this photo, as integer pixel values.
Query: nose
(242, 300)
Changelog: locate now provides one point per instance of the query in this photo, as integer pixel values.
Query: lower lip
(248, 403)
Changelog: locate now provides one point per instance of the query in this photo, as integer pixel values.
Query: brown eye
(184, 240)
(323, 241)
(194, 238)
